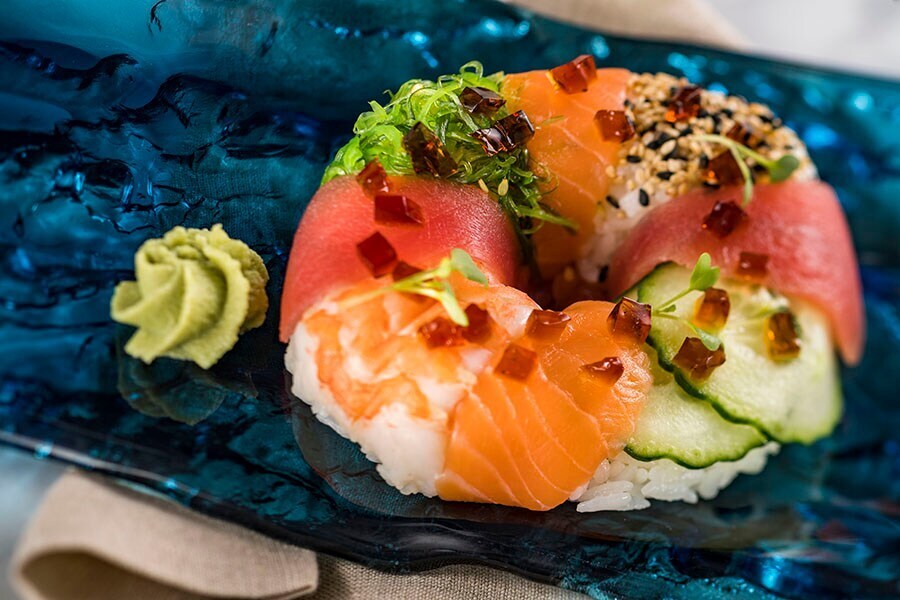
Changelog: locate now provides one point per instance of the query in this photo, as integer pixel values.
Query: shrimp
(450, 420)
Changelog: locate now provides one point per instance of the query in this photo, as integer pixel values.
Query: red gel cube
(377, 254)
(441, 332)
(684, 105)
(782, 340)
(608, 369)
(724, 218)
(723, 169)
(698, 360)
(712, 308)
(480, 101)
(394, 209)
(753, 266)
(630, 319)
(373, 179)
(506, 134)
(575, 75)
(614, 125)
(428, 154)
(517, 362)
(479, 329)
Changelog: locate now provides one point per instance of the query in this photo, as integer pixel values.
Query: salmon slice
(534, 443)
(567, 147)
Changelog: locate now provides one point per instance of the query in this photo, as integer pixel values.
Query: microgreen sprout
(703, 277)
(779, 169)
(433, 283)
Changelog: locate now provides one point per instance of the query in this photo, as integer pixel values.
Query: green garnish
(703, 277)
(433, 283)
(779, 169)
(506, 175)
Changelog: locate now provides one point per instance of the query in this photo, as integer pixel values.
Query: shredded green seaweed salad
(507, 176)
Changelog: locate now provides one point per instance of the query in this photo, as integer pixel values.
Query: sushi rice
(408, 452)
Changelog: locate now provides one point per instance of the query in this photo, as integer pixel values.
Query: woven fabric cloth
(95, 539)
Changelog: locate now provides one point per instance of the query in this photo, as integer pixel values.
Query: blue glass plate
(119, 120)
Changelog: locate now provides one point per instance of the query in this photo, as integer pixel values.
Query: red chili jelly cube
(517, 362)
(739, 134)
(377, 254)
(609, 369)
(428, 154)
(753, 266)
(615, 125)
(373, 179)
(782, 341)
(698, 360)
(480, 101)
(479, 329)
(684, 105)
(630, 319)
(404, 270)
(506, 134)
(394, 209)
(723, 169)
(712, 308)
(546, 323)
(724, 218)
(441, 332)
(575, 75)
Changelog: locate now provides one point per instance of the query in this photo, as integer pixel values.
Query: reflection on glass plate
(116, 125)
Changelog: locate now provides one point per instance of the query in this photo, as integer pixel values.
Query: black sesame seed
(628, 103)
(673, 154)
(728, 112)
(633, 158)
(665, 175)
(704, 161)
(673, 90)
(765, 118)
(686, 131)
(661, 139)
(702, 113)
(711, 184)
(612, 202)
(644, 198)
(604, 272)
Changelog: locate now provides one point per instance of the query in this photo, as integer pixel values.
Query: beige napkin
(96, 540)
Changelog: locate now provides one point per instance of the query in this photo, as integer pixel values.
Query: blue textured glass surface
(119, 120)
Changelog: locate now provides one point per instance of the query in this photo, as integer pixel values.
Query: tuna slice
(324, 256)
(799, 225)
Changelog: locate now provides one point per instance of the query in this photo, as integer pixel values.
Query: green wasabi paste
(196, 291)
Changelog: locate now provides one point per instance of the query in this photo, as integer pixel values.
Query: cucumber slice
(797, 400)
(677, 426)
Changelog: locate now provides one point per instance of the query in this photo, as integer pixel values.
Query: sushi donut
(573, 284)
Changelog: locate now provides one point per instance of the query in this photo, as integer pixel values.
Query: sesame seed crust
(666, 158)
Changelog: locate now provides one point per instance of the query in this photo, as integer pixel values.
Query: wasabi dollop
(196, 291)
